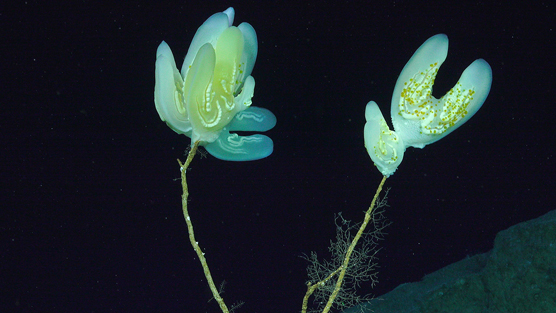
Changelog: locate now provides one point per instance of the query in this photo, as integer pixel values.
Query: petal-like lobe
(209, 32)
(232, 147)
(412, 99)
(253, 119)
(198, 90)
(384, 146)
(250, 50)
(168, 92)
(421, 119)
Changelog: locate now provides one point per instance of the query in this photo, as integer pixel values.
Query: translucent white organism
(212, 94)
(419, 118)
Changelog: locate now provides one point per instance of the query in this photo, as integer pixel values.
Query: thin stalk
(194, 242)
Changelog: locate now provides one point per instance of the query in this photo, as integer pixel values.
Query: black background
(91, 218)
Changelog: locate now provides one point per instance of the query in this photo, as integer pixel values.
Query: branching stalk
(341, 271)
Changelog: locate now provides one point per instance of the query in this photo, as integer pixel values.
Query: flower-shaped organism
(212, 94)
(419, 118)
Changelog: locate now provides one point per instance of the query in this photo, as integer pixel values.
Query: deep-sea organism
(212, 94)
(419, 118)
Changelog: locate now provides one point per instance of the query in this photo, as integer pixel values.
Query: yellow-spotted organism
(419, 118)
